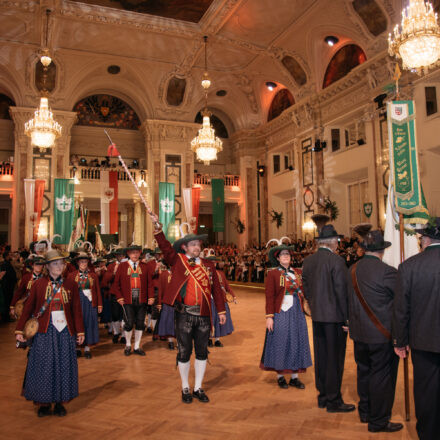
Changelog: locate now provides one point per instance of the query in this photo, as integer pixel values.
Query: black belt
(191, 310)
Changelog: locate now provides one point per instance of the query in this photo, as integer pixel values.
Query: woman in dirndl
(286, 347)
(165, 326)
(52, 369)
(228, 295)
(91, 301)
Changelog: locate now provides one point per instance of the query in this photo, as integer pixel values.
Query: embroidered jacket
(164, 282)
(23, 288)
(71, 306)
(93, 286)
(276, 286)
(121, 286)
(180, 276)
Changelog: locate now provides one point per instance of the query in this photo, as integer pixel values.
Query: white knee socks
(137, 338)
(153, 323)
(184, 373)
(128, 337)
(116, 327)
(199, 367)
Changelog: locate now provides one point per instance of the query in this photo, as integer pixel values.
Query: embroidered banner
(218, 204)
(64, 207)
(166, 209)
(408, 193)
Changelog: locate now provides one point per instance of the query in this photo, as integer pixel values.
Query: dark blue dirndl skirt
(90, 318)
(221, 330)
(166, 322)
(287, 349)
(106, 315)
(52, 368)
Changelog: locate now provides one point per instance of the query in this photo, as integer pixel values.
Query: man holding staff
(193, 280)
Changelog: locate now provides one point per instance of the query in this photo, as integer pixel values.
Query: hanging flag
(187, 202)
(34, 193)
(38, 205)
(166, 208)
(195, 195)
(218, 204)
(64, 207)
(408, 194)
(99, 245)
(109, 202)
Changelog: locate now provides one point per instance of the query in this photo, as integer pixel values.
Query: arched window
(282, 100)
(344, 60)
(106, 111)
(5, 103)
(217, 124)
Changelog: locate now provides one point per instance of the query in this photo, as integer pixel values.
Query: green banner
(166, 209)
(64, 208)
(218, 204)
(404, 166)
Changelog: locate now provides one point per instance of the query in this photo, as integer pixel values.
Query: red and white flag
(34, 194)
(109, 202)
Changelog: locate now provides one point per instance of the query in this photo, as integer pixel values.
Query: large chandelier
(42, 128)
(417, 41)
(206, 144)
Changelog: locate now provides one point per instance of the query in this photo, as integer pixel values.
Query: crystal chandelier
(42, 128)
(417, 41)
(206, 144)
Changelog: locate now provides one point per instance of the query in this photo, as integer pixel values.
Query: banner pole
(405, 360)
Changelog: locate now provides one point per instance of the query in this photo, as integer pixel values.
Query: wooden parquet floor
(139, 397)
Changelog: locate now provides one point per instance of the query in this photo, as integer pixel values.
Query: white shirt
(197, 259)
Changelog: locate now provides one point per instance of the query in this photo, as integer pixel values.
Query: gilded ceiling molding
(143, 22)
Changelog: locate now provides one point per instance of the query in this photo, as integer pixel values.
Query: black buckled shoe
(171, 345)
(391, 427)
(115, 339)
(218, 344)
(186, 396)
(139, 352)
(296, 383)
(200, 394)
(340, 408)
(44, 410)
(88, 354)
(59, 410)
(282, 383)
(127, 351)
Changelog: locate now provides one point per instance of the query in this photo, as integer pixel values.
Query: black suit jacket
(416, 318)
(377, 283)
(325, 286)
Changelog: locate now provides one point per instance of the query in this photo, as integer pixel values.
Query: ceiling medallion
(206, 144)
(417, 41)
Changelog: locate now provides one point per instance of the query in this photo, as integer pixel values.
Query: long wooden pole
(405, 360)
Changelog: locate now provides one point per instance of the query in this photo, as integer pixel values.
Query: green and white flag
(218, 204)
(166, 209)
(64, 208)
(408, 194)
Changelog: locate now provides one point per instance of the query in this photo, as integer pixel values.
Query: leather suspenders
(368, 311)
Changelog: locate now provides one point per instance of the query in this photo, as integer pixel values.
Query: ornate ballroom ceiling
(250, 42)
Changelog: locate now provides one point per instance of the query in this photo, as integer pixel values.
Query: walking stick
(113, 152)
(405, 360)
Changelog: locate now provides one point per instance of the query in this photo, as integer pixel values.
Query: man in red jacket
(193, 280)
(131, 289)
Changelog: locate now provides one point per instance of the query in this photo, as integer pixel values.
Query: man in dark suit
(374, 282)
(416, 324)
(325, 288)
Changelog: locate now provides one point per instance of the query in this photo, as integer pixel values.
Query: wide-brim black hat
(374, 242)
(147, 251)
(82, 256)
(177, 245)
(328, 231)
(275, 251)
(431, 229)
(133, 247)
(35, 259)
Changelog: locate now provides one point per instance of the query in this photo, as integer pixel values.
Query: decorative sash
(200, 276)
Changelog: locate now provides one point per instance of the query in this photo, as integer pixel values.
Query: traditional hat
(35, 259)
(147, 250)
(177, 245)
(320, 220)
(82, 256)
(374, 242)
(275, 251)
(362, 229)
(99, 260)
(431, 229)
(209, 254)
(55, 254)
(328, 231)
(133, 247)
